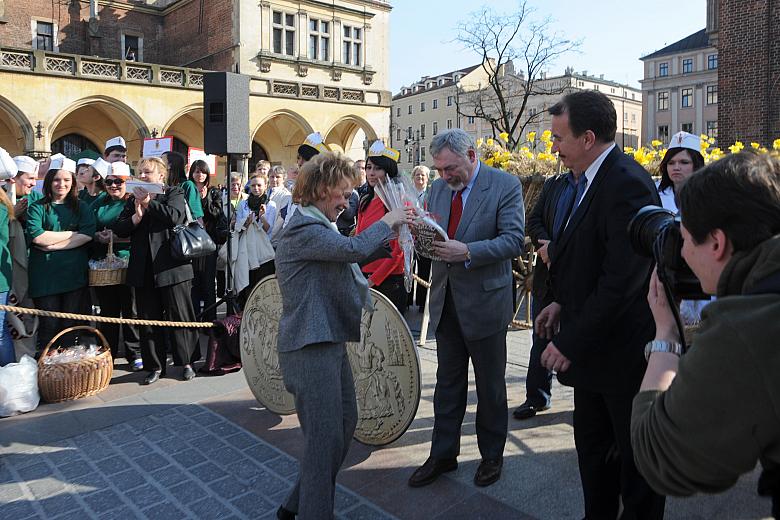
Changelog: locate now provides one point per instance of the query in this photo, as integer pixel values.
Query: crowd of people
(647, 419)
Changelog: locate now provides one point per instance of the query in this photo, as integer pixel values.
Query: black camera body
(655, 232)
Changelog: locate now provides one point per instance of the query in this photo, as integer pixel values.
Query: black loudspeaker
(226, 114)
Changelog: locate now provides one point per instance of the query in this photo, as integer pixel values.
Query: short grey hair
(457, 140)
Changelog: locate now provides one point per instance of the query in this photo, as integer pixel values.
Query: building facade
(75, 74)
(421, 110)
(681, 87)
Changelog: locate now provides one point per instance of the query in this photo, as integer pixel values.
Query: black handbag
(191, 240)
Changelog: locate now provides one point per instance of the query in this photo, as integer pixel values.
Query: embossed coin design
(259, 357)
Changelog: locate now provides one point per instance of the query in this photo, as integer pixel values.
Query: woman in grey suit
(323, 295)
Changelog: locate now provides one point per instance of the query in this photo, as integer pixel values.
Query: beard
(458, 186)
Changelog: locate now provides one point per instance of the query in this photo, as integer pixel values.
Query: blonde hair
(278, 170)
(158, 163)
(324, 172)
(422, 168)
(261, 164)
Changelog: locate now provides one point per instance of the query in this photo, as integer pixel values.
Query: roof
(697, 40)
(447, 83)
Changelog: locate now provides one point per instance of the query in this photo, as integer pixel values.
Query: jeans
(7, 353)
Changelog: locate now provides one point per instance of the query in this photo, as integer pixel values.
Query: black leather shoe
(527, 410)
(284, 514)
(488, 472)
(431, 470)
(188, 374)
(153, 377)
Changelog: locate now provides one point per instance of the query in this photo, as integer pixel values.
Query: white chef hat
(116, 142)
(60, 162)
(685, 140)
(120, 169)
(85, 160)
(26, 164)
(102, 167)
(8, 167)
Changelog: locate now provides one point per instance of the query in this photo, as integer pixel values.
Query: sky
(614, 34)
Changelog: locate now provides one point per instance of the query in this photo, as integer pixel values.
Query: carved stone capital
(335, 74)
(302, 69)
(368, 77)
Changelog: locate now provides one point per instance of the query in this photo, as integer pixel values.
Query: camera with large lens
(655, 232)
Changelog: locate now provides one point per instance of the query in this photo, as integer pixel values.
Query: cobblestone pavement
(183, 462)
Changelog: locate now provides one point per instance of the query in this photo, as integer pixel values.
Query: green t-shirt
(32, 196)
(89, 199)
(57, 272)
(5, 252)
(107, 211)
(192, 195)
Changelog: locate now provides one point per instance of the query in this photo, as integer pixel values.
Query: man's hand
(665, 324)
(104, 236)
(548, 321)
(451, 251)
(553, 360)
(542, 252)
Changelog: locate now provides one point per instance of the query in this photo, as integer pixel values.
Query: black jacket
(602, 283)
(152, 237)
(539, 226)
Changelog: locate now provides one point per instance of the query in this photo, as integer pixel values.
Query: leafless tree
(516, 52)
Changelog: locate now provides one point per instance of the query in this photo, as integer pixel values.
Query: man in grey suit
(471, 301)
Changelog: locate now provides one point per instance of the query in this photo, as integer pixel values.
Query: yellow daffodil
(531, 137)
(546, 135)
(480, 141)
(504, 137)
(489, 162)
(656, 143)
(755, 146)
(628, 150)
(776, 144)
(490, 142)
(704, 137)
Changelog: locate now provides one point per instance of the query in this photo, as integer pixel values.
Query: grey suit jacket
(320, 303)
(492, 225)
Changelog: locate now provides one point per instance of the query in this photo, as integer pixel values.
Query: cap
(685, 140)
(8, 167)
(85, 160)
(120, 169)
(116, 142)
(26, 164)
(316, 141)
(378, 149)
(102, 167)
(62, 163)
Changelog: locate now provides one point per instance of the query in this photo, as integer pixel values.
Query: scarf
(357, 276)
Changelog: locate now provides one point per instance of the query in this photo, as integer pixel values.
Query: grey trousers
(320, 378)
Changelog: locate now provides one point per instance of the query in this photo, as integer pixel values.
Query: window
(435, 104)
(409, 132)
(410, 109)
(352, 45)
(284, 33)
(712, 63)
(422, 106)
(422, 131)
(712, 129)
(398, 134)
(132, 48)
(319, 40)
(625, 116)
(663, 101)
(686, 98)
(663, 69)
(663, 133)
(435, 127)
(712, 94)
(410, 157)
(633, 118)
(449, 101)
(44, 36)
(687, 67)
(687, 127)
(422, 154)
(449, 124)
(398, 112)
(470, 120)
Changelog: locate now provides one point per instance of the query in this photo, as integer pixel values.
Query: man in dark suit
(600, 320)
(471, 301)
(538, 381)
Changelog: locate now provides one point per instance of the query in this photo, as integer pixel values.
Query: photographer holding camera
(691, 430)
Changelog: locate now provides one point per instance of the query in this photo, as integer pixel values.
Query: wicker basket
(75, 379)
(103, 277)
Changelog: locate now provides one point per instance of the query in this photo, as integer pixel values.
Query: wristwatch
(658, 345)
(468, 254)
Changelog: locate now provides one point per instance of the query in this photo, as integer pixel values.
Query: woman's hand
(398, 217)
(665, 324)
(104, 236)
(141, 196)
(249, 220)
(139, 211)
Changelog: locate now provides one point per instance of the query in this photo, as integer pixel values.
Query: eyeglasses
(111, 182)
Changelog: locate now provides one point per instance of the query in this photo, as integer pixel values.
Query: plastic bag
(19, 387)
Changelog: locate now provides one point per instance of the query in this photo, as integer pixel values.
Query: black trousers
(73, 301)
(488, 356)
(602, 435)
(171, 303)
(118, 301)
(393, 287)
(424, 272)
(204, 289)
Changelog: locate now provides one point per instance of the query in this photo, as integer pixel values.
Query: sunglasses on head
(111, 182)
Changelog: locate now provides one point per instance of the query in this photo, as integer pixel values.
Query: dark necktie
(456, 211)
(568, 202)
